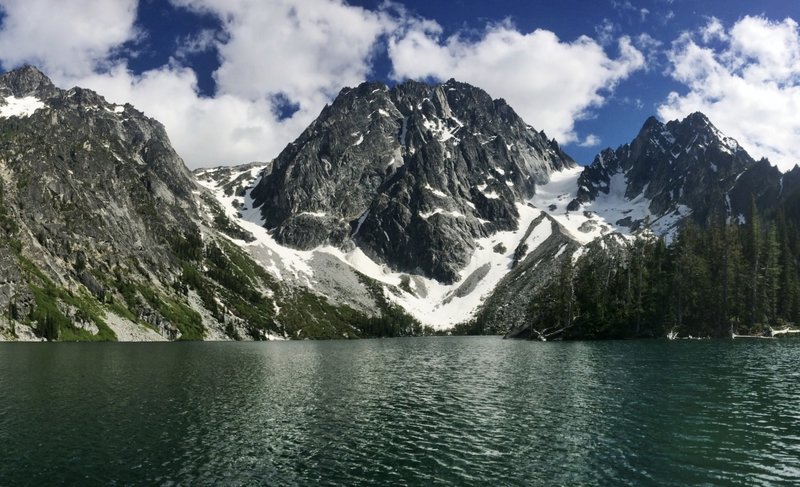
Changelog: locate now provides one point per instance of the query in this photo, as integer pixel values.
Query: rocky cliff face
(412, 175)
(83, 170)
(105, 234)
(91, 189)
(686, 163)
(419, 204)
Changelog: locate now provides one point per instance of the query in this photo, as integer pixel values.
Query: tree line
(710, 281)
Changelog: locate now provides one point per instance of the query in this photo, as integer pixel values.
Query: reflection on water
(419, 411)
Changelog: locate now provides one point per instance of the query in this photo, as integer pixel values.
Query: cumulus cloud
(220, 130)
(300, 53)
(69, 38)
(747, 80)
(306, 50)
(551, 83)
(271, 53)
(591, 140)
(713, 30)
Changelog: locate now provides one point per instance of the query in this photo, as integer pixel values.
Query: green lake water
(419, 411)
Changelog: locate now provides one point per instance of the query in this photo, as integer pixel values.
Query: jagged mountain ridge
(680, 168)
(105, 234)
(413, 175)
(567, 207)
(481, 221)
(669, 163)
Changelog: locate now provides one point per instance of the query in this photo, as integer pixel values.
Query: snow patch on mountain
(12, 106)
(431, 302)
(610, 212)
(435, 191)
(440, 211)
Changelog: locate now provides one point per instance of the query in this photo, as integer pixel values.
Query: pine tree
(771, 274)
(752, 249)
(735, 313)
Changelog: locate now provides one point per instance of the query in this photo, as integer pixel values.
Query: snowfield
(431, 302)
(19, 107)
(605, 214)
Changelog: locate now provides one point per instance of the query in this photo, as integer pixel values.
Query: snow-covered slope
(434, 303)
(430, 301)
(650, 185)
(608, 212)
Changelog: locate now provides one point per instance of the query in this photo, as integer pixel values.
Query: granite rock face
(90, 190)
(77, 170)
(103, 226)
(86, 170)
(412, 175)
(687, 162)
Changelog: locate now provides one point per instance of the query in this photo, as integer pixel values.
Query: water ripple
(444, 411)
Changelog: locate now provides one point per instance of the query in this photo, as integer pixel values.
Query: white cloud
(550, 83)
(713, 30)
(591, 140)
(749, 86)
(224, 129)
(605, 32)
(623, 6)
(202, 41)
(66, 38)
(307, 50)
(301, 52)
(636, 103)
(297, 51)
(651, 48)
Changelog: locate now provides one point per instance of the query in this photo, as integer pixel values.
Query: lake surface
(419, 411)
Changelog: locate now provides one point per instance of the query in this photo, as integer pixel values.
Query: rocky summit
(105, 234)
(682, 167)
(461, 212)
(412, 175)
(686, 163)
(87, 189)
(400, 210)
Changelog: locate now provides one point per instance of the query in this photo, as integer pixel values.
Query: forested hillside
(709, 282)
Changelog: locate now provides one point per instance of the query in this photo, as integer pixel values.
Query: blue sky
(235, 81)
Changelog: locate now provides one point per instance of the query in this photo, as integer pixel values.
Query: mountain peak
(704, 132)
(696, 122)
(683, 165)
(697, 118)
(651, 121)
(25, 81)
(413, 175)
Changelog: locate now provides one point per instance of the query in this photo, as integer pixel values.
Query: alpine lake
(415, 411)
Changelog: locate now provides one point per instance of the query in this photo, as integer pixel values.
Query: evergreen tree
(726, 277)
(771, 275)
(752, 248)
